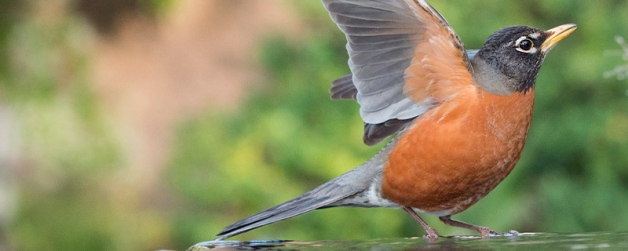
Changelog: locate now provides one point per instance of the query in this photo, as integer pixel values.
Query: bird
(457, 119)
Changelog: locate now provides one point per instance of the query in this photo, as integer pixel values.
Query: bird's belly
(445, 164)
(443, 194)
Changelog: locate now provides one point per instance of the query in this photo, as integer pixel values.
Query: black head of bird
(517, 53)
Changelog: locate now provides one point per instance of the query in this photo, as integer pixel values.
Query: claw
(432, 235)
(486, 232)
(511, 233)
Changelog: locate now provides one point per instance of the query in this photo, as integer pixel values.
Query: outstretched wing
(404, 58)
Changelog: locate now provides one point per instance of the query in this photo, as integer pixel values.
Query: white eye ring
(532, 49)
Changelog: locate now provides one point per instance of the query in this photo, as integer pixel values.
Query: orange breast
(459, 151)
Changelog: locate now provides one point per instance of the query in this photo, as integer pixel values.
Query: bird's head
(517, 52)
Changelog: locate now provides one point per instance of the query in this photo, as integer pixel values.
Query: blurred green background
(152, 124)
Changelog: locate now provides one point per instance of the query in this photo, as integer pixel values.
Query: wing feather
(401, 54)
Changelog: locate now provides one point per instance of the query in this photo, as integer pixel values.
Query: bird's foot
(484, 231)
(487, 232)
(511, 233)
(431, 234)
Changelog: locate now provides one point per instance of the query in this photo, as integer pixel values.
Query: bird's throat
(491, 79)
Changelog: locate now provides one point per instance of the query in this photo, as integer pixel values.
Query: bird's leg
(484, 231)
(432, 234)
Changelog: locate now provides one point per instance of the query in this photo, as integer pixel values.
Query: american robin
(461, 117)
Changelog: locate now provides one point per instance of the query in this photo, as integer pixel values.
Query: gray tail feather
(320, 197)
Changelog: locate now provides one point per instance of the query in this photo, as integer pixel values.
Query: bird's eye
(525, 45)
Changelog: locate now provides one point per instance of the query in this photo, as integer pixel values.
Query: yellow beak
(556, 34)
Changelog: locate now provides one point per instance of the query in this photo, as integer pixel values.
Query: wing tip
(343, 88)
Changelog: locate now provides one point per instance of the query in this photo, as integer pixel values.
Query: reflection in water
(524, 241)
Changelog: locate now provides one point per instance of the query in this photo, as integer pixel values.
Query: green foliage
(289, 137)
(156, 7)
(68, 148)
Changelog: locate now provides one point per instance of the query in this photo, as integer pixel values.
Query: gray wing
(344, 88)
(381, 39)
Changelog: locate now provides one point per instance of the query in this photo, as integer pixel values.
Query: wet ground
(524, 241)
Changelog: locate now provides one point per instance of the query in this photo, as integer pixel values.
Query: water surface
(524, 241)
